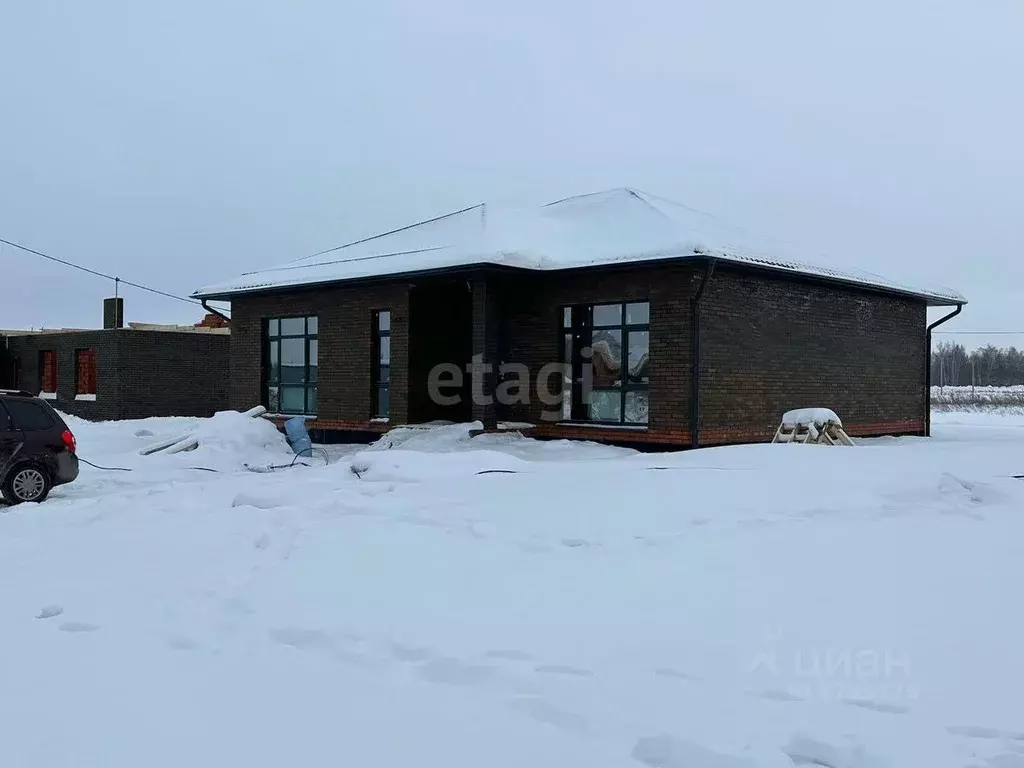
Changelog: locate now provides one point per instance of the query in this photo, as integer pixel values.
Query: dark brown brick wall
(27, 349)
(138, 373)
(532, 323)
(345, 331)
(171, 374)
(771, 344)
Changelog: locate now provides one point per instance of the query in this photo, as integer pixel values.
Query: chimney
(113, 313)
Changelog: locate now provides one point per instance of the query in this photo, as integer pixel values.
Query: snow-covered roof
(619, 225)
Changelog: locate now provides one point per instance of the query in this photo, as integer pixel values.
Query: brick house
(121, 372)
(629, 318)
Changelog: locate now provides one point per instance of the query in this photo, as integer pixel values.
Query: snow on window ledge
(592, 425)
(86, 398)
(47, 395)
(380, 420)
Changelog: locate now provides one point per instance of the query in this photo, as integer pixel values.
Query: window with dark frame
(85, 371)
(48, 371)
(615, 340)
(291, 349)
(382, 363)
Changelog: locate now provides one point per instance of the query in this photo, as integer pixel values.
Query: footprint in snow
(666, 751)
(877, 706)
(77, 626)
(574, 543)
(410, 653)
(454, 672)
(544, 712)
(981, 732)
(674, 674)
(563, 669)
(807, 751)
(335, 646)
(776, 695)
(305, 639)
(49, 611)
(509, 655)
(1006, 760)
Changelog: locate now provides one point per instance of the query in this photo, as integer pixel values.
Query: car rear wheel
(26, 483)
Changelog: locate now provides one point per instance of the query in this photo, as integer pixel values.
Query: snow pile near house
(434, 438)
(744, 607)
(445, 438)
(413, 454)
(230, 436)
(226, 442)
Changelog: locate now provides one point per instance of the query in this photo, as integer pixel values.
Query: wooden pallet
(810, 433)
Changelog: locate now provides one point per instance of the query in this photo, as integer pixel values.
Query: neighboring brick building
(121, 373)
(602, 283)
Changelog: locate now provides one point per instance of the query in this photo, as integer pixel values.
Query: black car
(37, 450)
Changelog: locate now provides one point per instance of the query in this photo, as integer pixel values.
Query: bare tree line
(989, 366)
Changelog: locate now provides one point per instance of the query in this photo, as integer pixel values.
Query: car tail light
(69, 440)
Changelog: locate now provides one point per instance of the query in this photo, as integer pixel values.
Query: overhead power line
(117, 280)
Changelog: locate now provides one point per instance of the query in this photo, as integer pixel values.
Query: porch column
(485, 350)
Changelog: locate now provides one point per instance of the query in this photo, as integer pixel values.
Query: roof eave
(930, 299)
(305, 286)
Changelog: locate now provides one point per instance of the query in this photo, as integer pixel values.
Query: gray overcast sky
(178, 144)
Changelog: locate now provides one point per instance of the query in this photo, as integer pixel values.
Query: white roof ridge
(612, 226)
(391, 232)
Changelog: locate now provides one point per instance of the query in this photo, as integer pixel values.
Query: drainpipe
(695, 361)
(216, 312)
(928, 368)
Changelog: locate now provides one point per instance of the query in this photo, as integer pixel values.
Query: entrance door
(440, 332)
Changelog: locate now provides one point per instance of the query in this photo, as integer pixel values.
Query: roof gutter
(709, 270)
(928, 367)
(216, 312)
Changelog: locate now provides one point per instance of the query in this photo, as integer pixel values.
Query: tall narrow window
(290, 365)
(85, 373)
(382, 363)
(615, 340)
(48, 371)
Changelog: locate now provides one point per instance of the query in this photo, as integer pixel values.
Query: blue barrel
(298, 436)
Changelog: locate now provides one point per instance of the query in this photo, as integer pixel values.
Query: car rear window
(29, 416)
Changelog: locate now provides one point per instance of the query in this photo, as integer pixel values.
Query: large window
(291, 365)
(381, 363)
(614, 339)
(85, 373)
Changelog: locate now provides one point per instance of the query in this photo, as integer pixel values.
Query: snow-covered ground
(436, 600)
